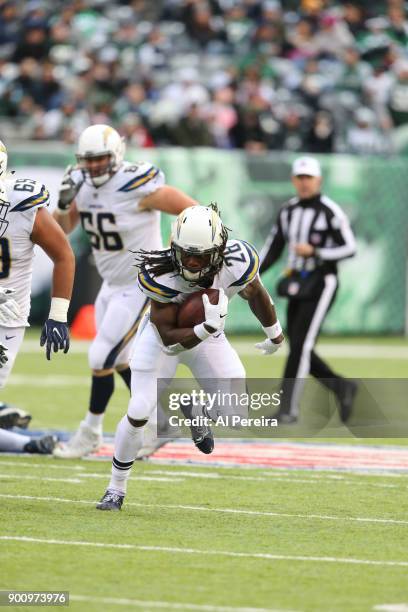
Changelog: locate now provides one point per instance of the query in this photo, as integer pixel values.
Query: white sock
(128, 442)
(12, 442)
(94, 421)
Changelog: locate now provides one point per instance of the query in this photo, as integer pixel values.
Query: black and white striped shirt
(317, 221)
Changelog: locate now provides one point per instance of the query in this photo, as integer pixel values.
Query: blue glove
(56, 335)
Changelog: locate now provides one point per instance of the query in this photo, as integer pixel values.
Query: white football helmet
(96, 141)
(198, 231)
(3, 160)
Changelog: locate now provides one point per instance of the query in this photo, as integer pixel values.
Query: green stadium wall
(250, 189)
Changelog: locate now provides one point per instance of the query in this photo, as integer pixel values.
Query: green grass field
(200, 538)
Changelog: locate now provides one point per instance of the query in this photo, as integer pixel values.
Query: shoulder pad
(26, 194)
(245, 263)
(154, 289)
(136, 175)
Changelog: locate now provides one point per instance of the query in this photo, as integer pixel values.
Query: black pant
(304, 321)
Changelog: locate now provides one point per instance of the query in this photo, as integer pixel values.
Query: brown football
(191, 312)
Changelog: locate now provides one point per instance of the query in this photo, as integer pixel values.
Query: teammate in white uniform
(24, 223)
(118, 204)
(201, 256)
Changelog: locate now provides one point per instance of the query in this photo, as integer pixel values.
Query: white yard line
(246, 348)
(319, 517)
(49, 465)
(42, 478)
(212, 553)
(137, 603)
(181, 475)
(148, 478)
(33, 346)
(315, 471)
(78, 481)
(33, 380)
(206, 471)
(322, 517)
(46, 499)
(314, 479)
(339, 350)
(392, 607)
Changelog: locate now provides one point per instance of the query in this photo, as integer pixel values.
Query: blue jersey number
(95, 227)
(24, 185)
(233, 253)
(5, 260)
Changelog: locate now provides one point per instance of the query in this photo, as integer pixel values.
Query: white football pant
(11, 337)
(118, 312)
(212, 360)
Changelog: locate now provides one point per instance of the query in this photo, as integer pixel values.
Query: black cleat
(200, 432)
(202, 435)
(346, 399)
(111, 501)
(41, 446)
(203, 441)
(11, 416)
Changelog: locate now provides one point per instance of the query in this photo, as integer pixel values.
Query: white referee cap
(308, 166)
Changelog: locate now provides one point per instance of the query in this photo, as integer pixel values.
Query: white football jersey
(115, 224)
(241, 264)
(16, 248)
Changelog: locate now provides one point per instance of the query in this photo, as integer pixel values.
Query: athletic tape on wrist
(201, 332)
(59, 309)
(273, 331)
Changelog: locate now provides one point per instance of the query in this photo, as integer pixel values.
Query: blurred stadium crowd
(316, 76)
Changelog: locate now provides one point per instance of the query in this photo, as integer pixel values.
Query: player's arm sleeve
(273, 247)
(343, 237)
(155, 290)
(246, 271)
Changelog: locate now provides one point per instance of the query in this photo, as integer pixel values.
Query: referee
(318, 235)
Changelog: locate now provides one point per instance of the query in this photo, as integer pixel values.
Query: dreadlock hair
(158, 262)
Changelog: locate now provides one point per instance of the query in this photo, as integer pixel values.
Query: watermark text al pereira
(227, 420)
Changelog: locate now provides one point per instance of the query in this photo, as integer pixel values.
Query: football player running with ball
(25, 222)
(118, 204)
(200, 257)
